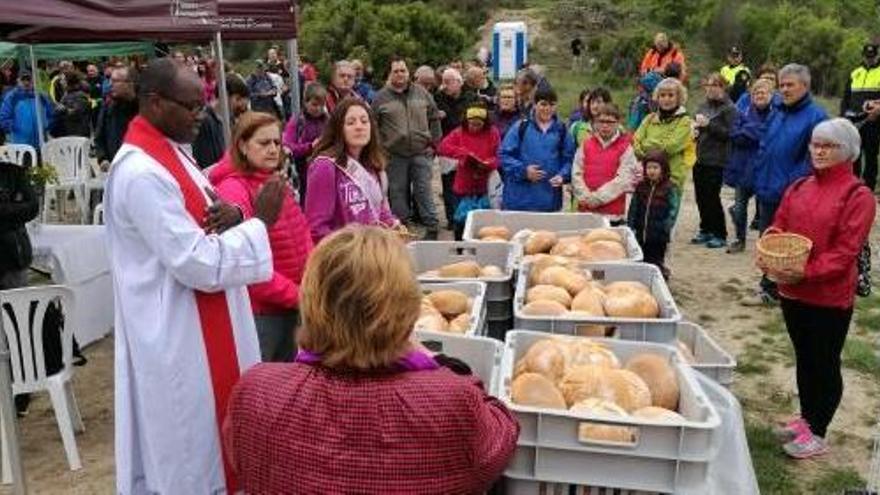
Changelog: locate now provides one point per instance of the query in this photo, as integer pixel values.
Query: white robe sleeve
(210, 263)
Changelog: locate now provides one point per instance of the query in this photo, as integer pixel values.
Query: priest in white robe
(184, 327)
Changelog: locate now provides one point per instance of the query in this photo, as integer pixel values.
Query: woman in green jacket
(669, 129)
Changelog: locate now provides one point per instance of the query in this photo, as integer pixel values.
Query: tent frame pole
(38, 105)
(224, 96)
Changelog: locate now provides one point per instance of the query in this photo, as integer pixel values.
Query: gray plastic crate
(431, 255)
(482, 354)
(633, 250)
(474, 289)
(518, 220)
(668, 457)
(514, 486)
(662, 329)
(711, 359)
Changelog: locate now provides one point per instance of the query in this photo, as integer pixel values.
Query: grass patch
(859, 355)
(836, 481)
(741, 317)
(751, 363)
(773, 326)
(868, 312)
(771, 467)
(706, 318)
(729, 289)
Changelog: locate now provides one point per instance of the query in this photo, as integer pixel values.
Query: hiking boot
(715, 243)
(805, 446)
(760, 298)
(736, 246)
(701, 238)
(791, 430)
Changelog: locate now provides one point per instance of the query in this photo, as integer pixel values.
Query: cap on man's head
(870, 50)
(734, 50)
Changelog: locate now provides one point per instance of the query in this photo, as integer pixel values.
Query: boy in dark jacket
(652, 209)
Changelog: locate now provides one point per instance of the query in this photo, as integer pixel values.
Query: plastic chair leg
(75, 415)
(65, 424)
(6, 468)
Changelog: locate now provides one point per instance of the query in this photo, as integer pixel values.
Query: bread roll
(602, 432)
(432, 322)
(450, 303)
(490, 271)
(540, 241)
(589, 301)
(626, 286)
(540, 262)
(544, 357)
(566, 278)
(549, 293)
(582, 381)
(604, 251)
(630, 302)
(660, 377)
(658, 414)
(460, 324)
(627, 390)
(603, 234)
(570, 247)
(462, 269)
(494, 231)
(532, 389)
(585, 351)
(544, 308)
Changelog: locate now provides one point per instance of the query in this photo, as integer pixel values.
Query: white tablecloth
(76, 256)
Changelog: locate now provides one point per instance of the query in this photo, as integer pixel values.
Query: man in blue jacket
(536, 157)
(18, 118)
(783, 156)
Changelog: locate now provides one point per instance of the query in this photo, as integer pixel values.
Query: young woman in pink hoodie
(255, 155)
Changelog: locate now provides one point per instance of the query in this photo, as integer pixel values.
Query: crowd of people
(317, 242)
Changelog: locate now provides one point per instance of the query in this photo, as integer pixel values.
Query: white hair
(842, 132)
(453, 73)
(802, 72)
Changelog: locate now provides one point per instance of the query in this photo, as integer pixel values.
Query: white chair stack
(70, 158)
(24, 332)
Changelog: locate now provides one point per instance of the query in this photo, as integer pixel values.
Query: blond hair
(359, 299)
(675, 85)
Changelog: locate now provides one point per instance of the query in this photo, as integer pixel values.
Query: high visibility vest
(729, 72)
(864, 79)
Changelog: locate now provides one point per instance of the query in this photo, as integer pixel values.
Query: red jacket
(600, 166)
(471, 178)
(828, 208)
(290, 237)
(301, 428)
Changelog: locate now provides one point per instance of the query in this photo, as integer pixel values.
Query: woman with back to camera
(363, 409)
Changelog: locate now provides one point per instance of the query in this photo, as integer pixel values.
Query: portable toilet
(510, 49)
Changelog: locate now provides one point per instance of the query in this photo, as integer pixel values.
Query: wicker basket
(784, 251)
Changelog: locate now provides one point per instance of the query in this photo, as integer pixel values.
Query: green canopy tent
(75, 51)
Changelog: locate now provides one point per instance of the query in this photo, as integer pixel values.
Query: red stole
(213, 309)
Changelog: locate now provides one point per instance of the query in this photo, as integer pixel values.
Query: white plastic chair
(16, 153)
(70, 158)
(24, 331)
(98, 215)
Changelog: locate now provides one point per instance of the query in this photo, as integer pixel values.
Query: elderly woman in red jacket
(363, 409)
(835, 211)
(474, 146)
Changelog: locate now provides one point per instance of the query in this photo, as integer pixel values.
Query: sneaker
(760, 298)
(791, 430)
(805, 446)
(701, 238)
(715, 243)
(736, 246)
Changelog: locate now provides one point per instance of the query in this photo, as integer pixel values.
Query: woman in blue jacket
(536, 157)
(745, 138)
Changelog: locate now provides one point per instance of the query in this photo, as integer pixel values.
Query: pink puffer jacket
(290, 237)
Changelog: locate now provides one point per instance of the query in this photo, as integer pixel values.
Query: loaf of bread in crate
(660, 377)
(601, 432)
(532, 389)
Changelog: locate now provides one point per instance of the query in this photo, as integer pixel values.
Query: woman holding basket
(835, 212)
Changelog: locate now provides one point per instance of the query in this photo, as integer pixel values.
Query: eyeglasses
(191, 107)
(824, 146)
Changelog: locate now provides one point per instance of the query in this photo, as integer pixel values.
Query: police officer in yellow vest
(734, 65)
(861, 103)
